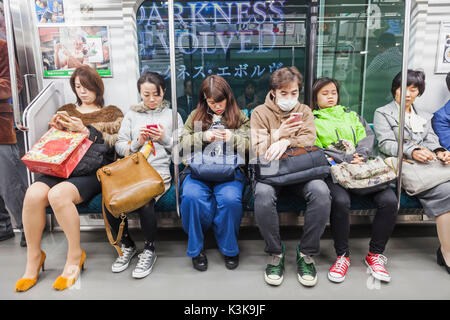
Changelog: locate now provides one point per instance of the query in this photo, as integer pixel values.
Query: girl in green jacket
(346, 137)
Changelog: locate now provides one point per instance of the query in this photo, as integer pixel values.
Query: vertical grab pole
(311, 39)
(12, 65)
(173, 79)
(403, 97)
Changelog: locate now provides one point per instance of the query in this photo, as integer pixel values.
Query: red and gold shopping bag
(57, 153)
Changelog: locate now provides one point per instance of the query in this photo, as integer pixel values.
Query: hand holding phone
(296, 117)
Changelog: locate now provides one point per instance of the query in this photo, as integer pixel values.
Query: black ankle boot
(441, 261)
(200, 262)
(231, 262)
(23, 240)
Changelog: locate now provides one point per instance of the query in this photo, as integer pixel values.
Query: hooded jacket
(339, 123)
(138, 116)
(267, 118)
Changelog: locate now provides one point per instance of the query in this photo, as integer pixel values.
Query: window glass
(360, 45)
(243, 41)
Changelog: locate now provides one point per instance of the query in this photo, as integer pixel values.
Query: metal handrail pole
(173, 86)
(401, 126)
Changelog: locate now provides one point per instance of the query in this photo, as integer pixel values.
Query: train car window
(243, 41)
(361, 46)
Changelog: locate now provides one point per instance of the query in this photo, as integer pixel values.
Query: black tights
(147, 218)
(382, 226)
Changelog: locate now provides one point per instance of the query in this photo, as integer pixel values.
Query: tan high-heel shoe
(24, 284)
(62, 283)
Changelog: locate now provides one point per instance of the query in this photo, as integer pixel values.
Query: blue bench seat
(286, 203)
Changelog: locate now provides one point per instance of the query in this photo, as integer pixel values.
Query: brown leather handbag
(127, 185)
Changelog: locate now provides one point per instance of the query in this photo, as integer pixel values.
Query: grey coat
(386, 127)
(139, 116)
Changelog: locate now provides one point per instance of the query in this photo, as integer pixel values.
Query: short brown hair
(284, 76)
(91, 80)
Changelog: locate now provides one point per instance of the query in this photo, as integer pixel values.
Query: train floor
(411, 254)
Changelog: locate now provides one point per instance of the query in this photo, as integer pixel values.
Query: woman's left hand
(357, 159)
(444, 156)
(73, 124)
(157, 134)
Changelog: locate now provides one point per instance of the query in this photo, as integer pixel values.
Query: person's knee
(191, 192)
(36, 195)
(341, 203)
(265, 195)
(389, 200)
(317, 190)
(229, 199)
(60, 196)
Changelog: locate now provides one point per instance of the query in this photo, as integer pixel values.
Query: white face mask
(286, 104)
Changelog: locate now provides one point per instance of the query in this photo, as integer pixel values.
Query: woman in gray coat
(147, 127)
(420, 144)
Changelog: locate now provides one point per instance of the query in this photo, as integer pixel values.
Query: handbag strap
(113, 242)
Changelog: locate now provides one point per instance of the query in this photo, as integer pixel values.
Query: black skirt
(88, 186)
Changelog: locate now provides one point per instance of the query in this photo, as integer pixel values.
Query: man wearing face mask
(283, 122)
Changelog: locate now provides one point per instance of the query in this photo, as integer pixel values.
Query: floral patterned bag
(369, 177)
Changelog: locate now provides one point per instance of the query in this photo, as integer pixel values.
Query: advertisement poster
(50, 11)
(65, 48)
(443, 50)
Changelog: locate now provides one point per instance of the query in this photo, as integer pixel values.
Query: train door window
(243, 41)
(360, 44)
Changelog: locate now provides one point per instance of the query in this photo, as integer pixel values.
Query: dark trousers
(382, 226)
(13, 186)
(147, 217)
(318, 202)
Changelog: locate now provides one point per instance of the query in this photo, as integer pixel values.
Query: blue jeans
(218, 204)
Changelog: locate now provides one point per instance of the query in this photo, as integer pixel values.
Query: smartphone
(63, 114)
(296, 117)
(149, 126)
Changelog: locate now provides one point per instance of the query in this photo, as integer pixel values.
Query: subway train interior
(362, 44)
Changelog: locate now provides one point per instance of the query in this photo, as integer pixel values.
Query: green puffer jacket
(339, 123)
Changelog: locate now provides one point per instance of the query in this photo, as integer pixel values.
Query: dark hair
(152, 77)
(91, 80)
(387, 40)
(284, 76)
(448, 81)
(414, 78)
(185, 82)
(249, 82)
(217, 88)
(319, 84)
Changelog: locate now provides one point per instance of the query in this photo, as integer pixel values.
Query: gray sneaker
(123, 261)
(145, 264)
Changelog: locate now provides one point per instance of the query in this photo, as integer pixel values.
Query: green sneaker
(306, 270)
(275, 269)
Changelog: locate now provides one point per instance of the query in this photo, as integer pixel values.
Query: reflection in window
(242, 41)
(360, 46)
